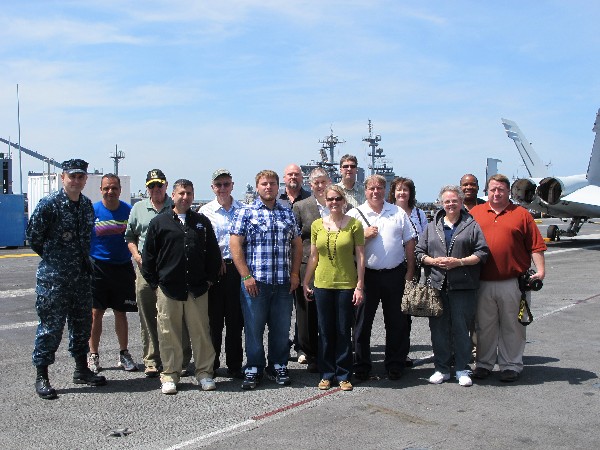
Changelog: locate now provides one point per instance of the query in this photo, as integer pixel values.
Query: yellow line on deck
(20, 255)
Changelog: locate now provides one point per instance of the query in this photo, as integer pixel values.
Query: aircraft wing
(589, 195)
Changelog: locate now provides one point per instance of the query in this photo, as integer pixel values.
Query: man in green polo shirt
(157, 202)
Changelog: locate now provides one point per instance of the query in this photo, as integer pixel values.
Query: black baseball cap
(155, 176)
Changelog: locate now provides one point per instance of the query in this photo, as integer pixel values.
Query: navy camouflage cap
(75, 166)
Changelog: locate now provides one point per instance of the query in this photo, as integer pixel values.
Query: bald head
(292, 177)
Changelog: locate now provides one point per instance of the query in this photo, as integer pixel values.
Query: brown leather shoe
(324, 385)
(345, 386)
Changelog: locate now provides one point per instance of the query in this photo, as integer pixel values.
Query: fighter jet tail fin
(593, 172)
(532, 161)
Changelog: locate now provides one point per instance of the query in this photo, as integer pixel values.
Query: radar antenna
(117, 156)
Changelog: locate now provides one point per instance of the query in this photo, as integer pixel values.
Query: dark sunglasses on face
(332, 199)
(349, 166)
(155, 184)
(220, 185)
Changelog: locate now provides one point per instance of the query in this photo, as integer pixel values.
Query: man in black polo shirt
(181, 259)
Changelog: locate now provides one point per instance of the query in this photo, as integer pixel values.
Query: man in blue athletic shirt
(113, 277)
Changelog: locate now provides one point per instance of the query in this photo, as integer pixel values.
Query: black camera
(528, 284)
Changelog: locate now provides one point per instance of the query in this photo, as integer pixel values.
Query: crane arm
(33, 153)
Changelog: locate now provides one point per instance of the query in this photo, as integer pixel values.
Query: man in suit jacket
(306, 212)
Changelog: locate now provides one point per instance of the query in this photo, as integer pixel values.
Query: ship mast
(327, 161)
(375, 152)
(378, 163)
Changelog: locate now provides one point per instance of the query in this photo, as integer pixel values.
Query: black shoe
(361, 376)
(251, 380)
(188, 371)
(394, 374)
(480, 373)
(408, 362)
(86, 376)
(236, 373)
(508, 376)
(279, 376)
(43, 389)
(312, 367)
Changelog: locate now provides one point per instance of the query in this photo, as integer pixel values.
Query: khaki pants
(146, 299)
(500, 336)
(171, 316)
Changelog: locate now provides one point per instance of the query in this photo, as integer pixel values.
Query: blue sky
(192, 86)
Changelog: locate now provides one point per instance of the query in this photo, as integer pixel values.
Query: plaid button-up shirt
(268, 235)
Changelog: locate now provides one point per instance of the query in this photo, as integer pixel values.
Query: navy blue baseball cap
(75, 166)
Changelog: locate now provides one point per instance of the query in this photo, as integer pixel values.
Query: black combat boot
(83, 375)
(42, 384)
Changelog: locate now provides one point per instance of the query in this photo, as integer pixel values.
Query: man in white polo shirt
(389, 260)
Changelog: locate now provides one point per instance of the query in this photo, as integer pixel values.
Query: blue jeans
(450, 331)
(335, 314)
(273, 307)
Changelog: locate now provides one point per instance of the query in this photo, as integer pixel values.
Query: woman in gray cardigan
(452, 249)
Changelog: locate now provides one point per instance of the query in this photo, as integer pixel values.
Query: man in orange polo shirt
(514, 240)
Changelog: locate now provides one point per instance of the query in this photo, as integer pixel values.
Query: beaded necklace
(329, 254)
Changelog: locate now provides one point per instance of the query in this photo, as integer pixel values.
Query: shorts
(113, 286)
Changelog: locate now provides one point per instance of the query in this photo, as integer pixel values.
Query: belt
(385, 270)
(228, 260)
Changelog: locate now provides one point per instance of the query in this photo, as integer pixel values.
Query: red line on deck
(295, 405)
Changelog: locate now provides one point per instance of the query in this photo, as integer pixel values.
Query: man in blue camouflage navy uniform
(59, 231)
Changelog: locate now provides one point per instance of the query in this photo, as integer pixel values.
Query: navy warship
(378, 163)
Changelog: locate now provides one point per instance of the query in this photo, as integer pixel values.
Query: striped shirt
(268, 235)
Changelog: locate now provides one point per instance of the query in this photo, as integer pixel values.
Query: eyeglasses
(155, 184)
(349, 166)
(451, 202)
(334, 199)
(226, 184)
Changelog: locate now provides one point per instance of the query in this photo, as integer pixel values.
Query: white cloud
(249, 84)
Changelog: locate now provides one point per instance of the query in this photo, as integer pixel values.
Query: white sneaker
(464, 378)
(208, 384)
(439, 377)
(93, 362)
(126, 362)
(168, 387)
(302, 359)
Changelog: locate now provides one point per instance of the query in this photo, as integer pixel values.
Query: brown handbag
(421, 300)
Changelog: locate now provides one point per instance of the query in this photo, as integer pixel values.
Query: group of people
(334, 253)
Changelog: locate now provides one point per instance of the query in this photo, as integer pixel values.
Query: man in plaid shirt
(266, 249)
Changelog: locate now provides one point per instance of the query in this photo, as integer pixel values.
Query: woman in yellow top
(336, 239)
